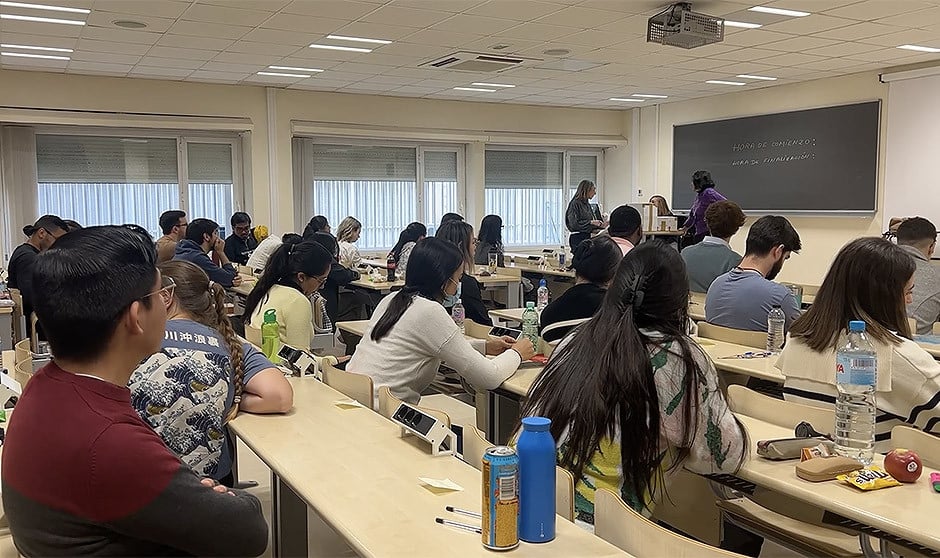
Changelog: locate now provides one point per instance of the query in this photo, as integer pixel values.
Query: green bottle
(270, 337)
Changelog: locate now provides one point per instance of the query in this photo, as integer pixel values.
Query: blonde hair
(204, 300)
(347, 227)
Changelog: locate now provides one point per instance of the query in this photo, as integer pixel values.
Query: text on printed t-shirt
(197, 338)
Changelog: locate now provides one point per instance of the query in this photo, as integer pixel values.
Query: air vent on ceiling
(476, 62)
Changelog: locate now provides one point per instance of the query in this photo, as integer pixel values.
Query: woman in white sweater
(347, 234)
(410, 334)
(871, 280)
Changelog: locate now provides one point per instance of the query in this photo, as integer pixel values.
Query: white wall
(822, 236)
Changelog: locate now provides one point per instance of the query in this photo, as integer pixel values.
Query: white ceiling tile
(877, 9)
(538, 51)
(441, 38)
(886, 55)
(36, 28)
(304, 63)
(337, 9)
(201, 29)
(393, 80)
(843, 49)
(584, 18)
(108, 57)
(375, 31)
(920, 18)
(405, 17)
(32, 64)
(417, 73)
(700, 64)
(452, 6)
(390, 60)
(310, 26)
(812, 6)
(537, 31)
(105, 19)
(182, 53)
(357, 68)
(163, 8)
(831, 65)
(284, 38)
(909, 37)
(77, 65)
(250, 47)
(518, 10)
(515, 45)
(231, 68)
(177, 63)
(242, 58)
(186, 41)
(594, 38)
(227, 16)
(269, 5)
(330, 55)
(120, 35)
(218, 77)
(791, 59)
(809, 25)
(754, 37)
(860, 31)
(108, 46)
(161, 73)
(479, 25)
(629, 27)
(799, 44)
(39, 40)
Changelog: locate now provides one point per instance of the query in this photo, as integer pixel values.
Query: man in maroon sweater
(82, 473)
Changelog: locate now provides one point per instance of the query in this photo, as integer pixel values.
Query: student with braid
(202, 375)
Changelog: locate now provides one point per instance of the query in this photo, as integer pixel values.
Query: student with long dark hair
(406, 243)
(490, 241)
(202, 375)
(352, 304)
(595, 262)
(460, 234)
(631, 397)
(295, 271)
(705, 195)
(871, 280)
(580, 218)
(318, 223)
(411, 334)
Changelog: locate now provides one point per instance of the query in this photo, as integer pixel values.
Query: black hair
(448, 217)
(317, 223)
(460, 233)
(139, 230)
(702, 180)
(291, 237)
(294, 256)
(240, 217)
(771, 231)
(170, 219)
(48, 222)
(85, 282)
(491, 231)
(432, 262)
(597, 259)
(411, 233)
(328, 241)
(624, 221)
(916, 230)
(609, 358)
(199, 228)
(72, 224)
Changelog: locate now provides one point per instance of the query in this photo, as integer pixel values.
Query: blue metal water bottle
(536, 449)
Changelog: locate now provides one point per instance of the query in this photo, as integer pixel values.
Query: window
(100, 180)
(385, 187)
(530, 190)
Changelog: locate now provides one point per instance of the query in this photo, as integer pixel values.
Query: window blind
(363, 162)
(440, 166)
(210, 163)
(105, 160)
(524, 169)
(583, 167)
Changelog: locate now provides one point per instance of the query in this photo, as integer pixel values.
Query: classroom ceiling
(581, 53)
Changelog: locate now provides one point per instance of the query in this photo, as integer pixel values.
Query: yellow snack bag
(869, 478)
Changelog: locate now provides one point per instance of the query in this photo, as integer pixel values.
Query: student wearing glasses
(241, 243)
(42, 235)
(173, 223)
(296, 270)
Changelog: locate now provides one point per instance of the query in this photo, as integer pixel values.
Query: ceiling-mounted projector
(679, 26)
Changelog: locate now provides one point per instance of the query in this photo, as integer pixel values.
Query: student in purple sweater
(706, 194)
(83, 475)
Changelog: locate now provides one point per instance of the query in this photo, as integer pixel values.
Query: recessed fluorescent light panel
(722, 82)
(359, 39)
(44, 7)
(295, 69)
(345, 48)
(623, 100)
(919, 48)
(778, 11)
(279, 74)
(649, 96)
(41, 19)
(30, 47)
(26, 55)
(501, 85)
(479, 89)
(764, 78)
(742, 24)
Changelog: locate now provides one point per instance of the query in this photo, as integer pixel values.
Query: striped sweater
(912, 397)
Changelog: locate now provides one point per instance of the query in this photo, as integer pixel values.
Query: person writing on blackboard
(582, 218)
(704, 187)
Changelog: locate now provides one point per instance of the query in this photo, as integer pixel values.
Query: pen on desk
(467, 513)
(454, 524)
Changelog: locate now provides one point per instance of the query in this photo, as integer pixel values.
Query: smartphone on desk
(499, 331)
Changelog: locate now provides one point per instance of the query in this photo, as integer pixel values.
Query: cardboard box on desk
(648, 214)
(666, 224)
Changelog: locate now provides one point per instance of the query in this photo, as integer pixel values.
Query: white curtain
(18, 183)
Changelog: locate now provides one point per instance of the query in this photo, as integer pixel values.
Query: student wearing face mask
(411, 334)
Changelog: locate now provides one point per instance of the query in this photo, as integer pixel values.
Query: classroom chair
(780, 412)
(23, 371)
(620, 525)
(388, 404)
(252, 334)
(19, 320)
(22, 351)
(548, 347)
(756, 339)
(355, 386)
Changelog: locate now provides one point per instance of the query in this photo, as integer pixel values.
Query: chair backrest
(355, 386)
(811, 290)
(777, 411)
(22, 351)
(926, 445)
(564, 493)
(388, 404)
(23, 371)
(912, 323)
(18, 322)
(549, 346)
(252, 334)
(475, 330)
(618, 524)
(757, 339)
(475, 445)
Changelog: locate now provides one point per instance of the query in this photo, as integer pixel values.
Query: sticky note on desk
(348, 404)
(440, 485)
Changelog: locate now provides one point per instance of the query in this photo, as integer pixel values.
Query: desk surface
(356, 327)
(908, 511)
(663, 233)
(543, 270)
(385, 286)
(328, 456)
(508, 314)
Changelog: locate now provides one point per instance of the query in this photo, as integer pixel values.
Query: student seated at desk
(742, 298)
(490, 241)
(871, 280)
(595, 263)
(173, 224)
(713, 256)
(241, 243)
(411, 334)
(202, 239)
(406, 243)
(42, 236)
(343, 303)
(317, 223)
(347, 234)
(631, 397)
(625, 228)
(82, 473)
(918, 237)
(202, 375)
(266, 248)
(460, 234)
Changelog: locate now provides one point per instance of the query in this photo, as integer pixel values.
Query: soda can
(500, 498)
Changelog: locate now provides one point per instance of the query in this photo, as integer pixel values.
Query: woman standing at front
(580, 217)
(706, 194)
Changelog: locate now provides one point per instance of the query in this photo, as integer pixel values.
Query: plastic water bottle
(542, 295)
(530, 323)
(775, 322)
(536, 449)
(856, 375)
(459, 315)
(561, 258)
(270, 336)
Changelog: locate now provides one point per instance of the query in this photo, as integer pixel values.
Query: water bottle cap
(536, 424)
(270, 316)
(856, 325)
(542, 283)
(530, 304)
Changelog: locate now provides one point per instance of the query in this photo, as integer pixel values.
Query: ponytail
(274, 272)
(217, 294)
(396, 308)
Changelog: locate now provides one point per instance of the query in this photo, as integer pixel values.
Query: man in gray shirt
(713, 256)
(743, 297)
(918, 237)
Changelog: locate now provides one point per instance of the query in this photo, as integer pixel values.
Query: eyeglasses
(242, 228)
(166, 293)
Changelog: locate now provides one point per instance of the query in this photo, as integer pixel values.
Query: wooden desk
(511, 283)
(663, 233)
(351, 467)
(507, 315)
(907, 512)
(248, 283)
(761, 368)
(355, 327)
(541, 270)
(373, 262)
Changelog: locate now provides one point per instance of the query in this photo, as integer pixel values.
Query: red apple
(904, 465)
